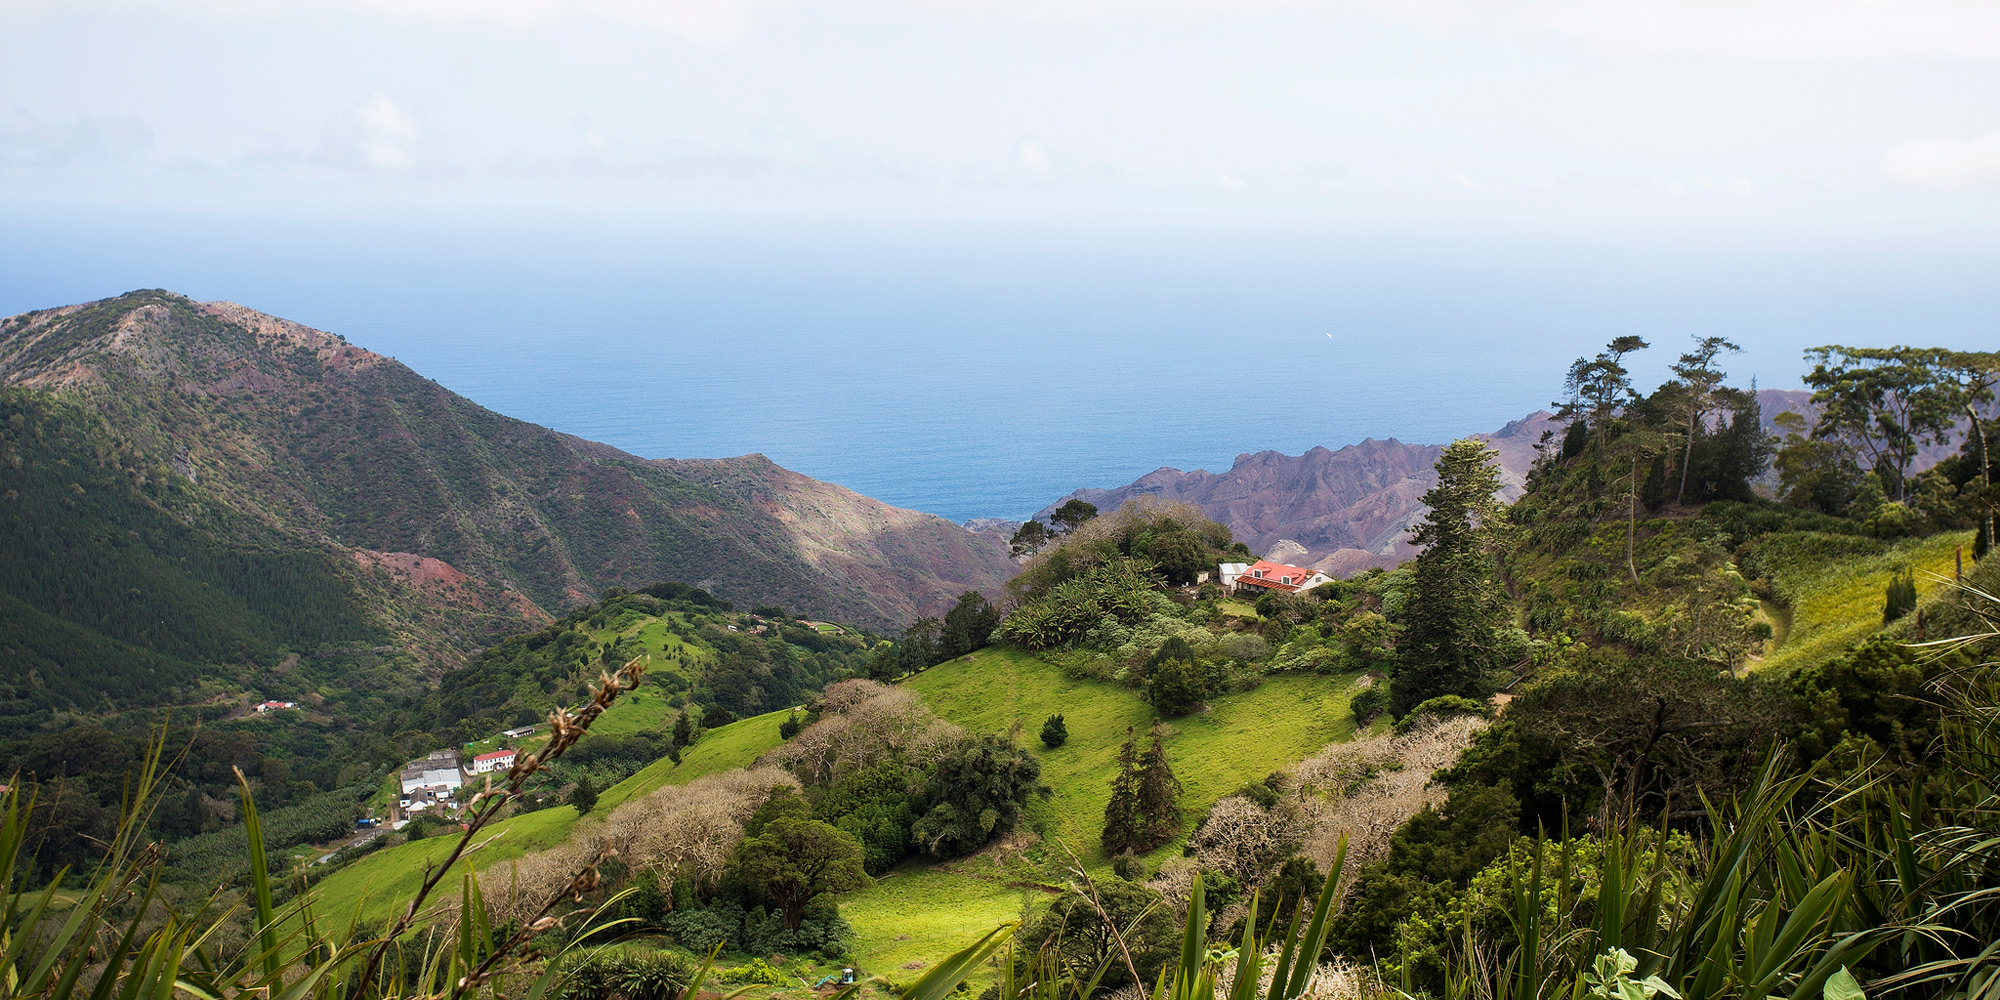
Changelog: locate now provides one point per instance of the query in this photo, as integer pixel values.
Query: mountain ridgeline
(1350, 509)
(200, 498)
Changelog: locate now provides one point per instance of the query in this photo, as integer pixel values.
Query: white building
(439, 770)
(498, 760)
(1230, 571)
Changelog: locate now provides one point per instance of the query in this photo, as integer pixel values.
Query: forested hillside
(1675, 722)
(336, 446)
(203, 508)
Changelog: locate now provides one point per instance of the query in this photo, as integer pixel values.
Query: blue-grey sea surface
(987, 374)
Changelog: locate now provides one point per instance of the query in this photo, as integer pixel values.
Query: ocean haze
(985, 373)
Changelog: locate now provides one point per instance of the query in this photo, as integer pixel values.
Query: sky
(966, 255)
(1598, 119)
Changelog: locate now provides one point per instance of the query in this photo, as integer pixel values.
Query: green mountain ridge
(208, 493)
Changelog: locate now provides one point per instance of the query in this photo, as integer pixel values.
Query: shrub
(756, 971)
(1054, 732)
(975, 793)
(1261, 793)
(1370, 702)
(1177, 686)
(617, 975)
(1442, 706)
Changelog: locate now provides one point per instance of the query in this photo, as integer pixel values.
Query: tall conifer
(1123, 824)
(1159, 793)
(1454, 614)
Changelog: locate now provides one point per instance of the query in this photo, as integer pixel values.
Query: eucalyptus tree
(1886, 401)
(1700, 379)
(1601, 384)
(1969, 378)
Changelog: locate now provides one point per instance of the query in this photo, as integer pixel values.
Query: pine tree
(1901, 598)
(583, 796)
(1654, 492)
(1454, 614)
(1122, 820)
(1159, 793)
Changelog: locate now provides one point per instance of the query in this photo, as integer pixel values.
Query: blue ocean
(987, 373)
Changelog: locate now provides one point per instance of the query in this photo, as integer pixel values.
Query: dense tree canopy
(976, 792)
(794, 859)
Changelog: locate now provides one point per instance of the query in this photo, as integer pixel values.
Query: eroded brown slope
(1338, 511)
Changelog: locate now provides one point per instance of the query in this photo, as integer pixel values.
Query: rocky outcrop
(1338, 511)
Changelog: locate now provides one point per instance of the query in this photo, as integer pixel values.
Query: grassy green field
(1235, 608)
(377, 885)
(920, 913)
(1835, 590)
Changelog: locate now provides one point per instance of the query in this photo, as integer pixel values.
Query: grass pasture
(1237, 609)
(919, 913)
(1834, 586)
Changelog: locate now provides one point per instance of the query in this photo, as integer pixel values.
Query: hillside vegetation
(375, 885)
(203, 508)
(920, 913)
(1656, 728)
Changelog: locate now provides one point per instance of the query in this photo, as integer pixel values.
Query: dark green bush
(1054, 732)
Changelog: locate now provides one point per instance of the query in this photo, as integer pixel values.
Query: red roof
(495, 755)
(1274, 574)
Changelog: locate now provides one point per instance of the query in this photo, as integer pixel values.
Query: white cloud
(1471, 185)
(1035, 157)
(775, 150)
(384, 136)
(1781, 29)
(27, 141)
(377, 135)
(716, 21)
(1950, 164)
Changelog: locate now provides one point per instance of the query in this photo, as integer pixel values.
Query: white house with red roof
(498, 760)
(1267, 577)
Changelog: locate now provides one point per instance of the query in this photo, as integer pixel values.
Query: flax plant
(1802, 887)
